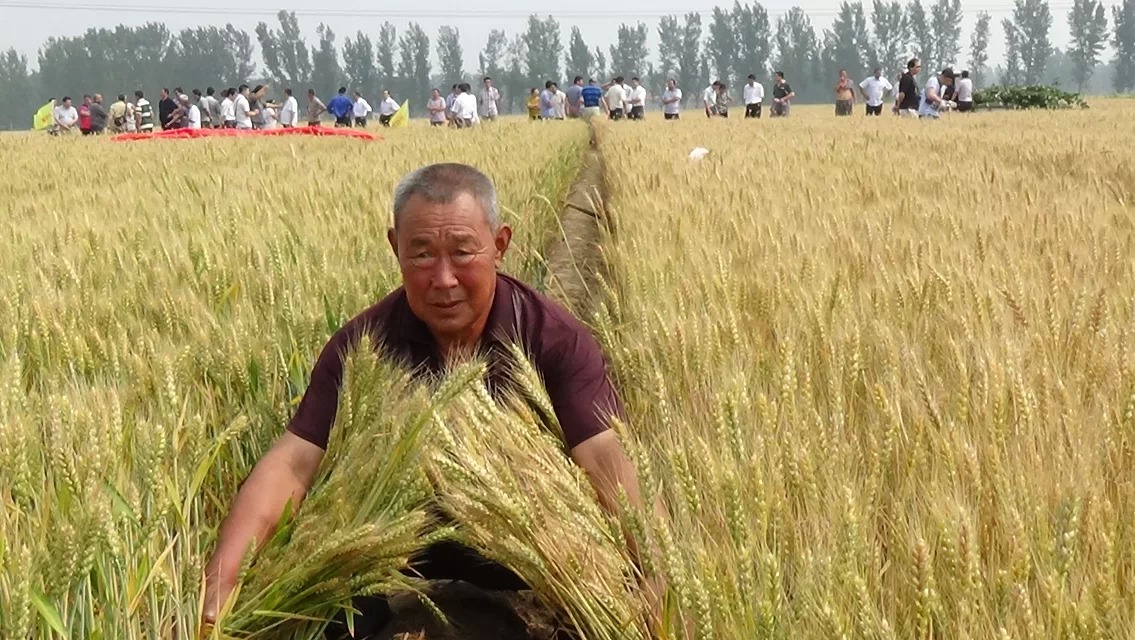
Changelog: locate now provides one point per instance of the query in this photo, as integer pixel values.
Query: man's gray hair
(442, 183)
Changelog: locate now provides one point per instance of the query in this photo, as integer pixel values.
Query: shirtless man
(844, 95)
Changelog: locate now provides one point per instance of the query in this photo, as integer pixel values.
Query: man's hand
(283, 475)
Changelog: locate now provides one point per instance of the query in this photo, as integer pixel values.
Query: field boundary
(574, 258)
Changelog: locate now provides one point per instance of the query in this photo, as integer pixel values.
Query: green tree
(1032, 21)
(386, 49)
(847, 44)
(543, 49)
(1087, 25)
(449, 55)
(492, 57)
(797, 54)
(751, 26)
(579, 59)
(600, 63)
(689, 57)
(669, 45)
(628, 54)
(210, 56)
(946, 24)
(722, 46)
(1011, 72)
(516, 80)
(414, 65)
(359, 64)
(979, 47)
(284, 51)
(1123, 39)
(108, 62)
(888, 22)
(18, 100)
(327, 73)
(919, 38)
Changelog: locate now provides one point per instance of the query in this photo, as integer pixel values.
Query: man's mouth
(446, 305)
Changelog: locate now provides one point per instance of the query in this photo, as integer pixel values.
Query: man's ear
(393, 240)
(502, 242)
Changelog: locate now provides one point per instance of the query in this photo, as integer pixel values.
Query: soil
(575, 259)
(473, 614)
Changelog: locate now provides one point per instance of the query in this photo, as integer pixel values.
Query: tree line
(727, 44)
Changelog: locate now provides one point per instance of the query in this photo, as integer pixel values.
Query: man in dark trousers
(449, 241)
(166, 107)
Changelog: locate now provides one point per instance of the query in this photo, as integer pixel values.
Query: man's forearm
(253, 515)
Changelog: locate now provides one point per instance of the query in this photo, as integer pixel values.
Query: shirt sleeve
(316, 413)
(578, 386)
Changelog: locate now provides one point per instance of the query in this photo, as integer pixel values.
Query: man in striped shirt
(143, 112)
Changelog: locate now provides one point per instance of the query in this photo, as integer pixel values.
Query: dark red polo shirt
(563, 351)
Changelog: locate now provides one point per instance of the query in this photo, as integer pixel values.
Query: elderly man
(449, 241)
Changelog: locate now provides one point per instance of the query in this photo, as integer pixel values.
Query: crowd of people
(247, 107)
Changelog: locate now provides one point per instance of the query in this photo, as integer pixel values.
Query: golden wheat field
(879, 372)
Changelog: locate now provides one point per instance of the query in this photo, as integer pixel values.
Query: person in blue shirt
(341, 107)
(590, 97)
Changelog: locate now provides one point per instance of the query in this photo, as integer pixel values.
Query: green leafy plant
(1028, 97)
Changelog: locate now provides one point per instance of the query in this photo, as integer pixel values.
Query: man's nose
(444, 277)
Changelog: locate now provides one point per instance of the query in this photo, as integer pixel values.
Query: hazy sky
(27, 23)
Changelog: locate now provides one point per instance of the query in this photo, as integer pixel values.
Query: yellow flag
(44, 117)
(401, 117)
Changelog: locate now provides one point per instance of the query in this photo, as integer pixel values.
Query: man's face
(488, 84)
(449, 259)
(917, 69)
(634, 83)
(945, 80)
(670, 85)
(878, 73)
(67, 103)
(385, 95)
(843, 75)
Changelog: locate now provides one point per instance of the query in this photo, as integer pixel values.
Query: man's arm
(283, 475)
(609, 469)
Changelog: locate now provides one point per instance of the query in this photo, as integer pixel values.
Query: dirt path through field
(575, 258)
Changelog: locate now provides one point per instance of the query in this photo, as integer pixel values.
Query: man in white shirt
(243, 111)
(932, 100)
(754, 94)
(228, 109)
(709, 98)
(615, 99)
(873, 89)
(490, 99)
(386, 109)
(671, 100)
(66, 117)
(362, 110)
(964, 94)
(465, 107)
(289, 113)
(192, 112)
(559, 102)
(637, 100)
(547, 98)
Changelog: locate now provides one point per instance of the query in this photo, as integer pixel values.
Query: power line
(418, 14)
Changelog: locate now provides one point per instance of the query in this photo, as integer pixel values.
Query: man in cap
(932, 101)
